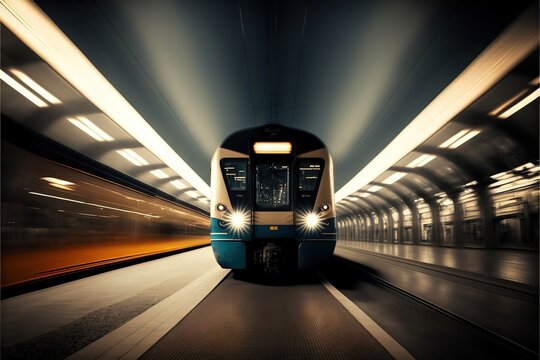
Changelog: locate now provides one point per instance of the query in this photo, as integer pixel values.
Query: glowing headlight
(237, 220)
(312, 221)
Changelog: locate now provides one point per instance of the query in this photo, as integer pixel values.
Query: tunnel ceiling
(355, 73)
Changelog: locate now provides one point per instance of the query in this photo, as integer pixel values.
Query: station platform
(493, 289)
(55, 322)
(186, 306)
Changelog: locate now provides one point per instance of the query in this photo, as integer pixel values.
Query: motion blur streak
(49, 230)
(32, 264)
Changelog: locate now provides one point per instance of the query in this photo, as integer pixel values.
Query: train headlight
(312, 221)
(238, 220)
(221, 207)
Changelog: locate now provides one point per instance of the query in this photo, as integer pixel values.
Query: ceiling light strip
(95, 128)
(374, 188)
(508, 102)
(393, 178)
(22, 90)
(132, 157)
(26, 20)
(464, 139)
(178, 184)
(85, 129)
(454, 138)
(512, 46)
(35, 86)
(520, 105)
(160, 174)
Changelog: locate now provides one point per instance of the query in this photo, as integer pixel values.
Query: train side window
(235, 173)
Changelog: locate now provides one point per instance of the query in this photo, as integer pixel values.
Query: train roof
(302, 141)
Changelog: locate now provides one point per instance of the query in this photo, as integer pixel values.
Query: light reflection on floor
(512, 265)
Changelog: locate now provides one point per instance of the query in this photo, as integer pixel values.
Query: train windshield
(234, 172)
(272, 185)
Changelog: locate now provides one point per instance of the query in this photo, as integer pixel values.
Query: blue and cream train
(272, 205)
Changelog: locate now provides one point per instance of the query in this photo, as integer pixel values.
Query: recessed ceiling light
(179, 184)
(22, 90)
(421, 161)
(160, 174)
(193, 194)
(520, 105)
(393, 178)
(90, 128)
(35, 86)
(374, 188)
(464, 139)
(132, 157)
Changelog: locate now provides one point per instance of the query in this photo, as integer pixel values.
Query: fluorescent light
(364, 195)
(421, 161)
(374, 188)
(272, 147)
(22, 90)
(453, 139)
(178, 184)
(192, 193)
(393, 178)
(160, 174)
(132, 157)
(459, 139)
(35, 86)
(513, 45)
(520, 105)
(507, 103)
(464, 139)
(95, 128)
(57, 181)
(91, 204)
(90, 128)
(30, 24)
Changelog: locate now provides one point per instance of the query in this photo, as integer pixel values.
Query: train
(64, 215)
(272, 201)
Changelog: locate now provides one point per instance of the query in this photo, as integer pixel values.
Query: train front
(272, 202)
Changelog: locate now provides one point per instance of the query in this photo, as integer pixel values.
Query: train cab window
(309, 172)
(235, 173)
(272, 185)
